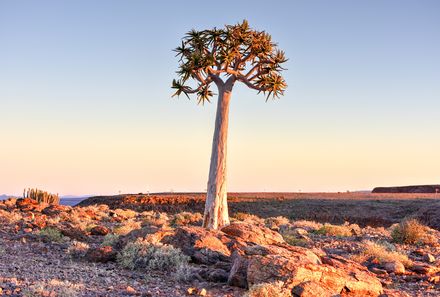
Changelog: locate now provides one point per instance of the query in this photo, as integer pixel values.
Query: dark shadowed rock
(55, 209)
(72, 232)
(311, 289)
(238, 274)
(101, 254)
(99, 230)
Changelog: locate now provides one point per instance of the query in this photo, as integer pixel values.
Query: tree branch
(248, 83)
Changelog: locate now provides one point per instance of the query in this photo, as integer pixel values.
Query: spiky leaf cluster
(224, 56)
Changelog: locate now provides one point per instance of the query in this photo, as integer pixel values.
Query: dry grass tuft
(412, 232)
(77, 249)
(10, 217)
(154, 218)
(126, 227)
(339, 230)
(125, 213)
(306, 225)
(186, 218)
(247, 217)
(53, 287)
(276, 222)
(381, 252)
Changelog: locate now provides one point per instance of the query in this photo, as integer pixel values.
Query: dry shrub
(53, 287)
(381, 252)
(146, 256)
(154, 218)
(295, 240)
(274, 289)
(412, 232)
(77, 249)
(276, 222)
(339, 230)
(247, 217)
(126, 227)
(125, 213)
(186, 218)
(306, 225)
(9, 217)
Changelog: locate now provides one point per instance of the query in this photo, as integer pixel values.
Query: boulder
(55, 210)
(27, 204)
(99, 230)
(72, 232)
(203, 246)
(238, 274)
(395, 267)
(250, 233)
(101, 254)
(336, 274)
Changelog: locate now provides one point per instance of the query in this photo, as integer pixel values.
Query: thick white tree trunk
(216, 207)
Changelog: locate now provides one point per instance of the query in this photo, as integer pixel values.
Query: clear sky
(85, 104)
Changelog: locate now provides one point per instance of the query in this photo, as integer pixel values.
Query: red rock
(101, 254)
(423, 268)
(39, 221)
(72, 232)
(203, 246)
(55, 209)
(251, 233)
(27, 204)
(395, 267)
(337, 274)
(99, 230)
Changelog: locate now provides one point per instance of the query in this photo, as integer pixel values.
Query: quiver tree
(223, 57)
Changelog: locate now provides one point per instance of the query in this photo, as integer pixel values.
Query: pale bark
(216, 207)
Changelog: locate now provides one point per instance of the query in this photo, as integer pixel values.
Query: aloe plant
(223, 57)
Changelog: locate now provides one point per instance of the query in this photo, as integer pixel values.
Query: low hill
(408, 189)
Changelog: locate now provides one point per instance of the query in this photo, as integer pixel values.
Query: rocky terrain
(363, 208)
(135, 249)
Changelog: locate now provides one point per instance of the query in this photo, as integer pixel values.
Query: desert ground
(278, 244)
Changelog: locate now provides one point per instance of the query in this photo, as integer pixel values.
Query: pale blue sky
(85, 101)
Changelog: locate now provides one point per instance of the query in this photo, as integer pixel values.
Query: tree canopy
(224, 56)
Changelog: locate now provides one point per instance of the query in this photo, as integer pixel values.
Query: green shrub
(412, 232)
(146, 256)
(51, 234)
(110, 239)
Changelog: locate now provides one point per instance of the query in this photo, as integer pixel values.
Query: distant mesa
(408, 189)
